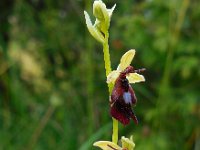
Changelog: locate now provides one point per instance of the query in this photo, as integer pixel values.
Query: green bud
(127, 143)
(93, 30)
(103, 15)
(102, 23)
(100, 11)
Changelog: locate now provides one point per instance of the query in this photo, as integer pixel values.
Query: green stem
(107, 55)
(107, 59)
(110, 86)
(115, 131)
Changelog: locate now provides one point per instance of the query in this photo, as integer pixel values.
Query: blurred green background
(53, 93)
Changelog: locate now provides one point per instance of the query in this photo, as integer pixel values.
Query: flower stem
(115, 131)
(107, 55)
(107, 59)
(110, 86)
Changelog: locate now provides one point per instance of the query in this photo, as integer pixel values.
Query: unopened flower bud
(100, 11)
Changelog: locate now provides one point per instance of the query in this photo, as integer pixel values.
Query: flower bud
(102, 14)
(127, 143)
(100, 11)
(102, 23)
(93, 30)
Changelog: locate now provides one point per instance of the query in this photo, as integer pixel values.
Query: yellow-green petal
(111, 78)
(107, 145)
(127, 143)
(100, 11)
(126, 60)
(110, 11)
(135, 78)
(93, 31)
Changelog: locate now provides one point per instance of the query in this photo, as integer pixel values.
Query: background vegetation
(53, 93)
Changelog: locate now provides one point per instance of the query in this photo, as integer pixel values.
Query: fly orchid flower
(102, 23)
(127, 144)
(123, 96)
(124, 63)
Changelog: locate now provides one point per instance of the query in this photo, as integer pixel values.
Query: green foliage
(52, 79)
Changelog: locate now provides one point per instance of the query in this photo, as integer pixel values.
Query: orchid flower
(127, 144)
(124, 63)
